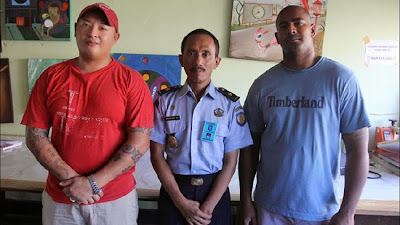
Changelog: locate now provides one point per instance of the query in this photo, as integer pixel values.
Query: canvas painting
(253, 27)
(6, 109)
(159, 71)
(42, 20)
(36, 67)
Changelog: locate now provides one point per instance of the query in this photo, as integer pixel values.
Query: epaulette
(228, 94)
(169, 89)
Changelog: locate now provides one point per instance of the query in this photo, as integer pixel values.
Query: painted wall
(158, 26)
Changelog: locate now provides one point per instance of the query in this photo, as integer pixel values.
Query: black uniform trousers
(170, 215)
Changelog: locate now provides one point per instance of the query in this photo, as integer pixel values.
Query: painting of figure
(253, 27)
(44, 20)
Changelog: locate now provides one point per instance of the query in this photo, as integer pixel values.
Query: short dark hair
(201, 31)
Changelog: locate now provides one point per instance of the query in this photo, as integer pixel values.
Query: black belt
(195, 180)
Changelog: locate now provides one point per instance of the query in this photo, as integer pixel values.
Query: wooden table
(21, 172)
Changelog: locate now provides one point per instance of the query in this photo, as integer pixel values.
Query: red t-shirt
(89, 115)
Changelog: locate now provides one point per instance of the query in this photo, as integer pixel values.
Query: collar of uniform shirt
(210, 90)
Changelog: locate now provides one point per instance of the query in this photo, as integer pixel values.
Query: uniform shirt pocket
(222, 130)
(173, 127)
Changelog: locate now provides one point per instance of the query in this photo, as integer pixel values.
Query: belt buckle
(196, 181)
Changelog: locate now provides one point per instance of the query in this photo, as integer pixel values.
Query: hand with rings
(79, 190)
(94, 197)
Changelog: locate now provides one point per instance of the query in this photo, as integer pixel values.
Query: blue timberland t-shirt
(301, 114)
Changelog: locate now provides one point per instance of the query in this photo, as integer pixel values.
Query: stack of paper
(9, 144)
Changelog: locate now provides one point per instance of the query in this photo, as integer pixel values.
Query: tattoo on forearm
(34, 135)
(60, 164)
(145, 130)
(117, 157)
(51, 152)
(131, 150)
(37, 141)
(126, 148)
(38, 133)
(126, 169)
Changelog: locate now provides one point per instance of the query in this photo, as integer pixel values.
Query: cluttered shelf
(21, 172)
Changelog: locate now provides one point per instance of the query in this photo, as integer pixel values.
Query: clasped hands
(194, 213)
(79, 190)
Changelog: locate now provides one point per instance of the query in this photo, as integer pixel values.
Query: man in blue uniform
(297, 111)
(200, 127)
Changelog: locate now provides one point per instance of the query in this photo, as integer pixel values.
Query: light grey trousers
(124, 210)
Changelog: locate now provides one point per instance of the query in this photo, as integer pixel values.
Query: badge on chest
(172, 141)
(208, 133)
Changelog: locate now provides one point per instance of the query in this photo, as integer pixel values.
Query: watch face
(258, 11)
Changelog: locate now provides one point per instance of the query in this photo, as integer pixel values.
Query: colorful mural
(159, 71)
(45, 20)
(253, 27)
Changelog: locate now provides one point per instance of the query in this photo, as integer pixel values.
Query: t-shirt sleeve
(239, 133)
(353, 115)
(36, 113)
(252, 110)
(139, 110)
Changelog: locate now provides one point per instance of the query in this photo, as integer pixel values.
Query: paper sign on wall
(382, 52)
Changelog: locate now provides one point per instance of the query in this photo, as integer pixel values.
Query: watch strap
(96, 189)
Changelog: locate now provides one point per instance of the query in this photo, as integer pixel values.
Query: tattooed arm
(39, 144)
(124, 159)
(127, 156)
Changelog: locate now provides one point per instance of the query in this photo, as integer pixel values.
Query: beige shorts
(124, 210)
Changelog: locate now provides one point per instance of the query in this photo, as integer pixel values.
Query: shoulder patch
(228, 94)
(169, 89)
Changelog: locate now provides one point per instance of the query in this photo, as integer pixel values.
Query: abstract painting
(253, 27)
(44, 20)
(159, 71)
(6, 110)
(36, 67)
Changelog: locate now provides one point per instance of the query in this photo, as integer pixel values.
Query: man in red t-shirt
(101, 114)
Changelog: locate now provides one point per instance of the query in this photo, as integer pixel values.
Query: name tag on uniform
(208, 131)
(169, 118)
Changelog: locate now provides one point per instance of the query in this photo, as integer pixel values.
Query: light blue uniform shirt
(179, 113)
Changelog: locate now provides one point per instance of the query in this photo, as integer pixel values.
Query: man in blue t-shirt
(297, 112)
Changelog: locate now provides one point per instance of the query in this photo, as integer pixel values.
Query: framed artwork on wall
(6, 115)
(253, 27)
(44, 20)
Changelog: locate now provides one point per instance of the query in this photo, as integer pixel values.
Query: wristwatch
(96, 189)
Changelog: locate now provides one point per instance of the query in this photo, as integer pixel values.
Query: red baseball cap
(110, 14)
